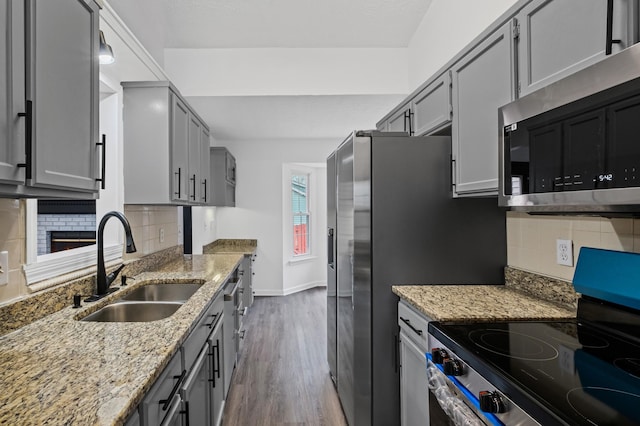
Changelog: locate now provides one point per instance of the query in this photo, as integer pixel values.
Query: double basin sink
(149, 302)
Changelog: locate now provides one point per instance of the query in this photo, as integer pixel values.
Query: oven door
(451, 404)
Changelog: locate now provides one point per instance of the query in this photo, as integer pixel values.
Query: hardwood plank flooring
(282, 377)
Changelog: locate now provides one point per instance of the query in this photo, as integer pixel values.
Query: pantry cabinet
(483, 81)
(49, 118)
(163, 145)
(559, 37)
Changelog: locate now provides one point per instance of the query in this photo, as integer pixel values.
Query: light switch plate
(4, 267)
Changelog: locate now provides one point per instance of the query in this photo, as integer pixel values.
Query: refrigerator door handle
(330, 257)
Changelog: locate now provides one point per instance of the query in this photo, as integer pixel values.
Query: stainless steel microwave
(574, 146)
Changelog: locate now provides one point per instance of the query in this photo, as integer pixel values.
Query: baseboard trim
(288, 291)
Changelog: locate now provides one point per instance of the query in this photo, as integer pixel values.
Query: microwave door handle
(610, 40)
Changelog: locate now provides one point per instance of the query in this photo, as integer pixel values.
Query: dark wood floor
(282, 377)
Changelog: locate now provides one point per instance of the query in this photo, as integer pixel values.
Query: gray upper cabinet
(400, 121)
(205, 167)
(50, 115)
(163, 140)
(483, 81)
(560, 37)
(223, 177)
(179, 143)
(431, 107)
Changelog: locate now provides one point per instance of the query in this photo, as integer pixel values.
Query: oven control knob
(452, 367)
(438, 355)
(492, 402)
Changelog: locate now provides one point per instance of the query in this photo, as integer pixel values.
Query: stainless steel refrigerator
(392, 220)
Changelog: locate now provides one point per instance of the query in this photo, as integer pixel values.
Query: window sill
(301, 259)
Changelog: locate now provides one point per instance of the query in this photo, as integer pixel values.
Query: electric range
(580, 372)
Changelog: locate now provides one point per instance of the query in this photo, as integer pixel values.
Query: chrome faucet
(103, 281)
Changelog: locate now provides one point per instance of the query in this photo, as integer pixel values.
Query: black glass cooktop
(559, 372)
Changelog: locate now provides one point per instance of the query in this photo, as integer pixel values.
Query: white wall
(447, 27)
(280, 71)
(204, 224)
(146, 19)
(260, 204)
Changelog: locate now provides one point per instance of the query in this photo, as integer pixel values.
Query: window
(300, 213)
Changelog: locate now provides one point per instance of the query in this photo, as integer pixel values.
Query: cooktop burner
(560, 372)
(513, 344)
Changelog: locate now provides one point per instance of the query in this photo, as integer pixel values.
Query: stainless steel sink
(163, 292)
(134, 312)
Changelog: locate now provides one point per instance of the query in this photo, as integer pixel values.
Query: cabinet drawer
(413, 323)
(201, 331)
(158, 401)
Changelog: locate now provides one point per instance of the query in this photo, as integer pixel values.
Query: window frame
(307, 214)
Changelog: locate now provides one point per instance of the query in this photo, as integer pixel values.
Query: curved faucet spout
(103, 281)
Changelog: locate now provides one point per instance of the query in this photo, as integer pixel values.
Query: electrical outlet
(162, 235)
(564, 252)
(4, 267)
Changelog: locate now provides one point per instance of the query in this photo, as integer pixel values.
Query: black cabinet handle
(28, 138)
(193, 180)
(610, 40)
(216, 363)
(204, 182)
(166, 402)
(410, 123)
(215, 316)
(406, 321)
(179, 173)
(103, 169)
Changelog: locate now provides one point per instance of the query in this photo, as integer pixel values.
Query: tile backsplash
(12, 240)
(146, 222)
(531, 239)
(154, 228)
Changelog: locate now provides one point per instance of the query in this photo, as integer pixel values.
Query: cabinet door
(179, 149)
(482, 82)
(196, 392)
(414, 390)
(205, 167)
(12, 92)
(216, 372)
(400, 121)
(432, 106)
(193, 181)
(559, 37)
(62, 84)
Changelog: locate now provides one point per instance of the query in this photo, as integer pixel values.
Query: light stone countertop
(246, 247)
(58, 370)
(472, 303)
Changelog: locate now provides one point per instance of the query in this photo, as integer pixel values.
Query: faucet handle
(123, 280)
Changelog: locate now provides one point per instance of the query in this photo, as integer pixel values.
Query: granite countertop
(246, 247)
(58, 370)
(479, 303)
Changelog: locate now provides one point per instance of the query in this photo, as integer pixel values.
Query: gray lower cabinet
(196, 393)
(161, 398)
(483, 81)
(246, 271)
(414, 390)
(560, 37)
(191, 388)
(431, 107)
(223, 177)
(217, 373)
(49, 87)
(163, 143)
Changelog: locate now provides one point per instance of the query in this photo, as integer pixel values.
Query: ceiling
(283, 23)
(292, 23)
